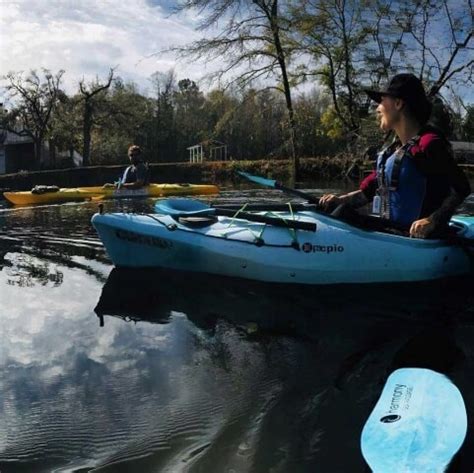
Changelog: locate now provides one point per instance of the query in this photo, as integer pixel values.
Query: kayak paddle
(277, 185)
(417, 425)
(194, 208)
(367, 221)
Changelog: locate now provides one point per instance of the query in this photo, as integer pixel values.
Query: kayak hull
(98, 192)
(336, 253)
(62, 195)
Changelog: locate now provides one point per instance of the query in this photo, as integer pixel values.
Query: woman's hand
(329, 202)
(422, 228)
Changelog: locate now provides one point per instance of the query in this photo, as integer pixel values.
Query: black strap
(386, 153)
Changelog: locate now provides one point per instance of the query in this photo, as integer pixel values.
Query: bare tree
(35, 101)
(90, 94)
(357, 44)
(432, 39)
(389, 23)
(253, 44)
(458, 63)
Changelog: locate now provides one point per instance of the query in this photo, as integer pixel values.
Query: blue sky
(87, 37)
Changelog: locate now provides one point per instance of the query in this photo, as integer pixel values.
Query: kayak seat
(182, 207)
(197, 221)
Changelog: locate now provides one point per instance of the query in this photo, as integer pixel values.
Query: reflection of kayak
(150, 294)
(335, 253)
(84, 193)
(349, 346)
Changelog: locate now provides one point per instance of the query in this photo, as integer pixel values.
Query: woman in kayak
(416, 183)
(136, 175)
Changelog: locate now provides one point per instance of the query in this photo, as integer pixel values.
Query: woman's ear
(399, 104)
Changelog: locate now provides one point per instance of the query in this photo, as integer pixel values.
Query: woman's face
(389, 112)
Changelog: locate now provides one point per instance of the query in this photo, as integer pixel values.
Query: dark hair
(442, 117)
(135, 149)
(420, 111)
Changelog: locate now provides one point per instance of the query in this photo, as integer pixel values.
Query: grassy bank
(207, 172)
(311, 169)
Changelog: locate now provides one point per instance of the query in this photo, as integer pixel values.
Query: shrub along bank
(223, 172)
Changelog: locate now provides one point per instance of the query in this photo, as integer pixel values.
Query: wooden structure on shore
(209, 150)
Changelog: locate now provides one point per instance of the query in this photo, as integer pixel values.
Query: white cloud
(88, 37)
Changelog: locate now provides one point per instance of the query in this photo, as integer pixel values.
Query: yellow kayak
(98, 193)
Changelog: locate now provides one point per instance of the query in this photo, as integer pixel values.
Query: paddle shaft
(297, 193)
(263, 181)
(266, 207)
(453, 239)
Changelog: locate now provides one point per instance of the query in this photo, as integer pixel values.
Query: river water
(149, 371)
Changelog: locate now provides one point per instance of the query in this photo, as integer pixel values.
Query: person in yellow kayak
(417, 184)
(136, 175)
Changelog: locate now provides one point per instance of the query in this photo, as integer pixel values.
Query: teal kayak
(304, 246)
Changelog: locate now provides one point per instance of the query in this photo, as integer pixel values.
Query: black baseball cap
(408, 88)
(403, 86)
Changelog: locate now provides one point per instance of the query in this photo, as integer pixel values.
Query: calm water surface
(149, 371)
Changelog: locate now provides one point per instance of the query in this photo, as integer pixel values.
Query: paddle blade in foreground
(417, 425)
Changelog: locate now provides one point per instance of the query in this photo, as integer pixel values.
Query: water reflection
(193, 373)
(24, 270)
(36, 243)
(345, 351)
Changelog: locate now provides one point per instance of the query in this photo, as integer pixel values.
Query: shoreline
(215, 172)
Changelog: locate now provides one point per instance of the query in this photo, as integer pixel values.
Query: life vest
(401, 186)
(125, 174)
(130, 174)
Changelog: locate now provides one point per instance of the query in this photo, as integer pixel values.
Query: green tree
(160, 126)
(119, 122)
(253, 43)
(189, 109)
(219, 108)
(66, 125)
(250, 121)
(314, 137)
(333, 32)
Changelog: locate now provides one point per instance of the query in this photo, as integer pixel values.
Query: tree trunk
(52, 153)
(87, 126)
(294, 160)
(38, 140)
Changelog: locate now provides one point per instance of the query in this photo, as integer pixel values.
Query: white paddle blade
(417, 425)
